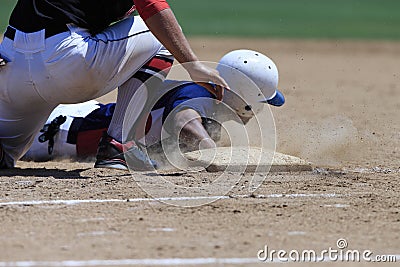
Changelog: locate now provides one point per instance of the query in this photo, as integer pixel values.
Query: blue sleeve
(178, 99)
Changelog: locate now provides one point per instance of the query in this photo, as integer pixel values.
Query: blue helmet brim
(278, 100)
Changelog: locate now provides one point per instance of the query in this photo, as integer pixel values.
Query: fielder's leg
(111, 151)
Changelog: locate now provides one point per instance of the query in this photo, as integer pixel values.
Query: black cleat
(112, 154)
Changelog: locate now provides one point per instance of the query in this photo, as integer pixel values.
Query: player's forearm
(195, 136)
(166, 28)
(189, 124)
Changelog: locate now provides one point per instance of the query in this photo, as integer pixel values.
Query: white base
(246, 159)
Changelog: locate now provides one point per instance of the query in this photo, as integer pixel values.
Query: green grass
(356, 19)
(5, 9)
(373, 19)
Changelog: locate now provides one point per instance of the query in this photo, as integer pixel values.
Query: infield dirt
(342, 114)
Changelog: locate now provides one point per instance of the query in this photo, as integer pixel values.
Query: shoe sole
(111, 165)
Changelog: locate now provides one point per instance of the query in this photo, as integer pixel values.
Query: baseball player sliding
(71, 51)
(74, 131)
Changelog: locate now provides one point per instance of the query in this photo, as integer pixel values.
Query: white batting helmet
(253, 79)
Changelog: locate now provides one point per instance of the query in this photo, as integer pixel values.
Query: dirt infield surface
(342, 114)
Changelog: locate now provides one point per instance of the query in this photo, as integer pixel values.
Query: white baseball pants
(69, 67)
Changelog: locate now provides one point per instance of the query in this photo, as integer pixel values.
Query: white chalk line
(157, 262)
(85, 201)
(132, 262)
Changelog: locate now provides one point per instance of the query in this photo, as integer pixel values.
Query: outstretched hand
(207, 77)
